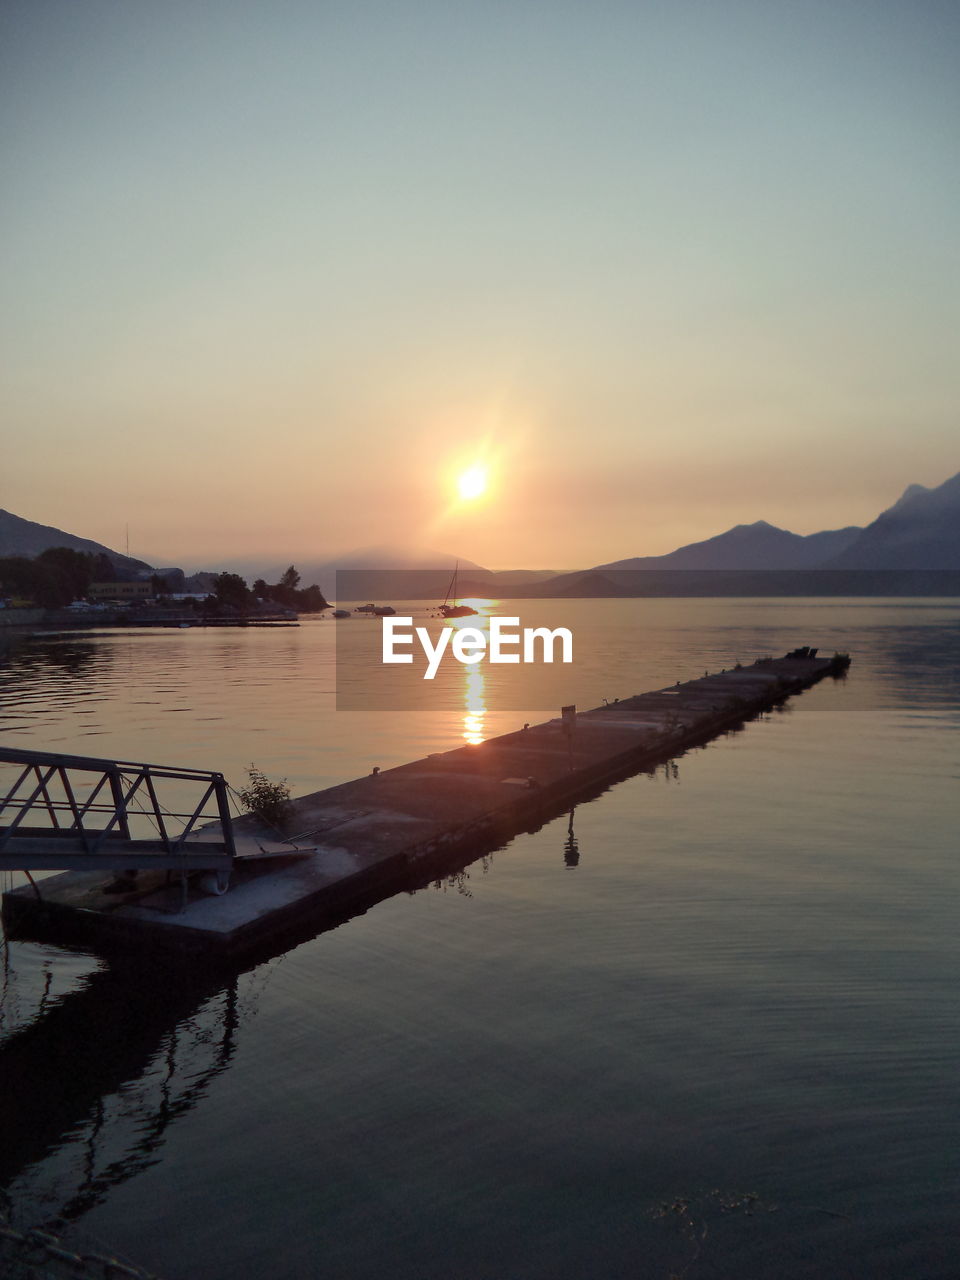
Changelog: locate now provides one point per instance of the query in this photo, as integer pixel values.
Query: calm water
(707, 1026)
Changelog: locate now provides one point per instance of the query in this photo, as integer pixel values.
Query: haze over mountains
(920, 531)
(750, 546)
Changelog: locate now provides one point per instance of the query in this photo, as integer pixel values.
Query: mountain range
(919, 532)
(750, 546)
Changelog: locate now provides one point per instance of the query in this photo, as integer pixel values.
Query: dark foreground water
(707, 1025)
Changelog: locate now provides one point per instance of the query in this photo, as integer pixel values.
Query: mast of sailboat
(452, 587)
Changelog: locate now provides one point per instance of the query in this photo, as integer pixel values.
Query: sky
(277, 273)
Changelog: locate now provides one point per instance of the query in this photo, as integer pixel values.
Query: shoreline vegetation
(62, 587)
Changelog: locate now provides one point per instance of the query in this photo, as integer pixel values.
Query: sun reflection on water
(475, 703)
(474, 695)
(474, 698)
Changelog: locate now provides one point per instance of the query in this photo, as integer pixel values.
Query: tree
(68, 573)
(231, 591)
(311, 600)
(285, 591)
(104, 569)
(18, 577)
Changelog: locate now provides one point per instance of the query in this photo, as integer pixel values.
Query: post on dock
(568, 718)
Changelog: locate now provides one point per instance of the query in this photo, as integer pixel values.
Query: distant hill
(920, 531)
(512, 577)
(750, 546)
(376, 573)
(383, 583)
(19, 537)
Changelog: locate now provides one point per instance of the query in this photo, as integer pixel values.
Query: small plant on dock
(839, 665)
(266, 800)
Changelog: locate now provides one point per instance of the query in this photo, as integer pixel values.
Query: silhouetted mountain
(911, 491)
(19, 537)
(378, 573)
(522, 577)
(585, 585)
(750, 546)
(920, 531)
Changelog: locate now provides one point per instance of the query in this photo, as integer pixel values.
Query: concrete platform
(364, 840)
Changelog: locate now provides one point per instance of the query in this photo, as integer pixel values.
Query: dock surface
(361, 841)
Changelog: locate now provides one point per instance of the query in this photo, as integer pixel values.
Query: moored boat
(450, 608)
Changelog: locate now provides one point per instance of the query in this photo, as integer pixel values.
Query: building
(121, 590)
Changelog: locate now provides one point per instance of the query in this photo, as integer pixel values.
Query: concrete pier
(359, 842)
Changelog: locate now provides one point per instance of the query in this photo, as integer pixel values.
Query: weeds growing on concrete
(266, 800)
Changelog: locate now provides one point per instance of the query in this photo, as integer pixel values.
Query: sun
(472, 483)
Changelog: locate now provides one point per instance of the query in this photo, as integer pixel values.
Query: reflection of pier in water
(90, 1087)
(92, 1082)
(571, 849)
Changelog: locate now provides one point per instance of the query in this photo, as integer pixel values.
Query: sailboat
(450, 608)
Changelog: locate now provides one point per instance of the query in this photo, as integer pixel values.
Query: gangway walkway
(67, 812)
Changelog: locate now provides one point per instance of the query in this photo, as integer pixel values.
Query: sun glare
(472, 483)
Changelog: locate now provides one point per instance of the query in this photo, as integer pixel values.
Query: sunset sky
(277, 273)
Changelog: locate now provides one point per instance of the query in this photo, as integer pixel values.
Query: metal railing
(79, 812)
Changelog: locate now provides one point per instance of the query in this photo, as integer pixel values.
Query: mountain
(19, 537)
(911, 491)
(522, 577)
(750, 546)
(586, 586)
(920, 531)
(377, 573)
(418, 577)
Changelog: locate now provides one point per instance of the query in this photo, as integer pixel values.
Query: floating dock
(364, 840)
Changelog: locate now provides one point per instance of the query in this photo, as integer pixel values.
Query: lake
(705, 1025)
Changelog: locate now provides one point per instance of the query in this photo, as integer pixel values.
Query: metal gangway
(80, 813)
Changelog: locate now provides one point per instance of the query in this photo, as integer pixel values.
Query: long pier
(353, 844)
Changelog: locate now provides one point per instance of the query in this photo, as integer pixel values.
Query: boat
(341, 613)
(450, 608)
(384, 611)
(365, 608)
